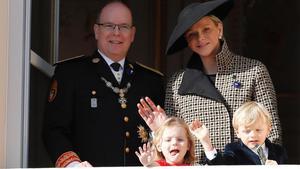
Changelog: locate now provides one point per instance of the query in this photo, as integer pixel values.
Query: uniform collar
(109, 61)
(103, 70)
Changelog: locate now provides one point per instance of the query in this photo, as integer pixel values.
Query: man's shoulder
(72, 60)
(147, 70)
(74, 65)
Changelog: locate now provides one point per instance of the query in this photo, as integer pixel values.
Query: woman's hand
(153, 115)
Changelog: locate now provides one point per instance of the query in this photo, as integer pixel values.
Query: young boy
(252, 125)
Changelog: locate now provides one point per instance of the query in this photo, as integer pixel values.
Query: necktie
(261, 155)
(116, 66)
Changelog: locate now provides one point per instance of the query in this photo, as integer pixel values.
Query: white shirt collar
(109, 61)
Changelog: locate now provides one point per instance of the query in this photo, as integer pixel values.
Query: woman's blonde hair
(189, 157)
(249, 113)
(215, 19)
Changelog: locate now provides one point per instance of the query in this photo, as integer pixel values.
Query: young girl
(173, 145)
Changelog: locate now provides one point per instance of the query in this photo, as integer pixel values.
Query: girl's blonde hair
(248, 113)
(189, 157)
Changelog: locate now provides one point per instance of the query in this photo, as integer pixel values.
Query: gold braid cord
(66, 158)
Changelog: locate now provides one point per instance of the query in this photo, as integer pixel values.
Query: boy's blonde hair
(249, 113)
(189, 157)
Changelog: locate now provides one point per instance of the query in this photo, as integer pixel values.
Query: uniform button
(127, 150)
(126, 119)
(127, 134)
(95, 60)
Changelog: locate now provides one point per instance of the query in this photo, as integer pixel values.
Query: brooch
(143, 134)
(130, 70)
(236, 84)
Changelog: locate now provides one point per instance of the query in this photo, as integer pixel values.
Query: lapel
(249, 154)
(128, 73)
(194, 81)
(103, 69)
(271, 150)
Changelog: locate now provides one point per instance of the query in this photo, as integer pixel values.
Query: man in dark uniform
(91, 113)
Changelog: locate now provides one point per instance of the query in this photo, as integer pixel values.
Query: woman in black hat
(215, 82)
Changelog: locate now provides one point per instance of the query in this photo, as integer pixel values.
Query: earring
(220, 37)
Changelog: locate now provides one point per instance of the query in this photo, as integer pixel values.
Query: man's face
(114, 41)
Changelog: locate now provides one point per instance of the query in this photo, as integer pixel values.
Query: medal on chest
(121, 92)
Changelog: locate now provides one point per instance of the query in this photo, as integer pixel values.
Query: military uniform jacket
(191, 95)
(237, 153)
(84, 114)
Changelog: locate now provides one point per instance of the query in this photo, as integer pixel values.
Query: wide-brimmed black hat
(192, 14)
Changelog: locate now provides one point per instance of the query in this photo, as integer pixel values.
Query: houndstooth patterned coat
(191, 95)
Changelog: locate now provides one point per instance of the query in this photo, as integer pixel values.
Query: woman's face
(203, 37)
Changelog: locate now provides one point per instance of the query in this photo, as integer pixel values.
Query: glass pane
(41, 28)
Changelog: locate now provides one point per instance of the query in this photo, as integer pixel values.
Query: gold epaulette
(149, 68)
(69, 59)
